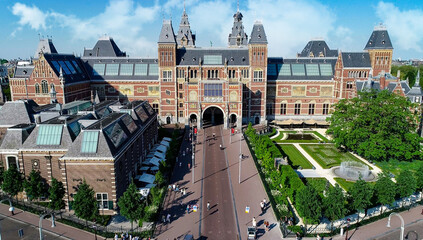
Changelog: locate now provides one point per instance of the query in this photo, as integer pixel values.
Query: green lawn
(327, 155)
(281, 134)
(396, 167)
(319, 135)
(297, 159)
(346, 185)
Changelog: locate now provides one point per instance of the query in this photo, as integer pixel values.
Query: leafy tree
(378, 125)
(85, 203)
(406, 184)
(309, 204)
(334, 204)
(12, 181)
(1, 174)
(130, 204)
(419, 179)
(384, 189)
(56, 194)
(361, 193)
(35, 186)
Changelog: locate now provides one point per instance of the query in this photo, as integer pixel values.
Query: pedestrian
(168, 218)
(180, 164)
(173, 187)
(220, 145)
(189, 165)
(262, 207)
(116, 237)
(266, 224)
(214, 136)
(208, 206)
(188, 207)
(318, 237)
(163, 218)
(265, 202)
(422, 211)
(183, 153)
(254, 222)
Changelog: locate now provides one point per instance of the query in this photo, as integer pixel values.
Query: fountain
(350, 170)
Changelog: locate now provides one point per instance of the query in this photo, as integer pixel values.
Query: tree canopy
(56, 194)
(385, 189)
(12, 181)
(85, 204)
(361, 194)
(130, 204)
(378, 125)
(309, 204)
(35, 186)
(408, 72)
(406, 184)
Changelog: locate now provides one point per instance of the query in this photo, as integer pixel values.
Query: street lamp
(11, 208)
(240, 157)
(348, 226)
(192, 164)
(402, 224)
(40, 223)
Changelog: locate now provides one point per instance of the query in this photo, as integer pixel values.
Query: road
(219, 221)
(10, 227)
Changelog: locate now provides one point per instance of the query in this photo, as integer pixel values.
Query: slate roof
(379, 39)
(192, 56)
(45, 46)
(16, 112)
(356, 60)
(237, 32)
(185, 31)
(391, 86)
(23, 71)
(73, 70)
(150, 75)
(15, 136)
(317, 47)
(405, 86)
(166, 34)
(105, 47)
(363, 85)
(258, 35)
(275, 68)
(415, 91)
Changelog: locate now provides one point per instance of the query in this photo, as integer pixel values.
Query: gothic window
(325, 108)
(52, 86)
(283, 108)
(37, 88)
(297, 110)
(311, 109)
(349, 85)
(156, 107)
(44, 87)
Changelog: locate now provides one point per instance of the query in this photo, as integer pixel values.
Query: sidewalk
(251, 190)
(175, 204)
(61, 230)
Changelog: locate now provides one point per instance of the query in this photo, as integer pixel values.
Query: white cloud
(404, 27)
(31, 16)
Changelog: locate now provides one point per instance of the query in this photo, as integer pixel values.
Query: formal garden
(363, 132)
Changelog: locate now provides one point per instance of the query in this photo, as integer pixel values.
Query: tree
(406, 184)
(309, 204)
(85, 203)
(1, 174)
(12, 181)
(378, 125)
(419, 180)
(361, 193)
(130, 204)
(384, 189)
(334, 204)
(56, 194)
(35, 186)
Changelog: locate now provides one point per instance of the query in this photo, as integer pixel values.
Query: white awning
(144, 191)
(145, 177)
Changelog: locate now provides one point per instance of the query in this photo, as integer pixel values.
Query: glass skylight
(213, 59)
(154, 70)
(65, 68)
(298, 70)
(49, 134)
(126, 69)
(89, 142)
(112, 69)
(69, 65)
(141, 69)
(326, 69)
(98, 69)
(312, 69)
(285, 69)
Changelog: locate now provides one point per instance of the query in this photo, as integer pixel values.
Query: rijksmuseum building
(230, 85)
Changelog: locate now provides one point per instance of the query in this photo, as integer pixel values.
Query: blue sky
(135, 24)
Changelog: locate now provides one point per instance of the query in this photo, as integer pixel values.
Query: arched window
(52, 86)
(44, 87)
(37, 88)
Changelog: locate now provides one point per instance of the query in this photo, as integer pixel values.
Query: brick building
(232, 85)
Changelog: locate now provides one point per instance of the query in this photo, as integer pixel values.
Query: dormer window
(383, 42)
(259, 36)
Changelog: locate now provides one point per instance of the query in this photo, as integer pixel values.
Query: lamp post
(240, 157)
(402, 224)
(348, 226)
(11, 208)
(40, 224)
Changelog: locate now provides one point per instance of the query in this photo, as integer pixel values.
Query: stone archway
(232, 120)
(193, 118)
(168, 120)
(213, 116)
(257, 120)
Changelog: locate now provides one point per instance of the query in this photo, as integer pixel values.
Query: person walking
(265, 202)
(168, 218)
(208, 206)
(262, 207)
(254, 222)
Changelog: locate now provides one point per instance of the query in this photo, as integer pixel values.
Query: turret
(185, 38)
(380, 50)
(237, 37)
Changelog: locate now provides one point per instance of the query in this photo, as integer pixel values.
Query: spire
(97, 98)
(237, 6)
(417, 83)
(185, 38)
(166, 34)
(237, 37)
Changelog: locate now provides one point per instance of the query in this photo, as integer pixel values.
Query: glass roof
(65, 68)
(285, 69)
(298, 69)
(129, 123)
(126, 69)
(149, 109)
(56, 65)
(112, 69)
(213, 59)
(312, 69)
(89, 142)
(116, 134)
(98, 69)
(69, 65)
(326, 69)
(271, 70)
(141, 113)
(141, 69)
(49, 134)
(153, 70)
(77, 67)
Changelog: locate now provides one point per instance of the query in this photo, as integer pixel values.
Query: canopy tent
(160, 155)
(145, 177)
(155, 168)
(164, 143)
(322, 122)
(310, 121)
(162, 148)
(297, 122)
(153, 161)
(144, 168)
(144, 191)
(166, 139)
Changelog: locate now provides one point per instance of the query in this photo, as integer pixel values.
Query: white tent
(144, 191)
(162, 148)
(145, 177)
(164, 143)
(166, 139)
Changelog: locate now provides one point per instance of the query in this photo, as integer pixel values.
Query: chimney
(399, 74)
(382, 82)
